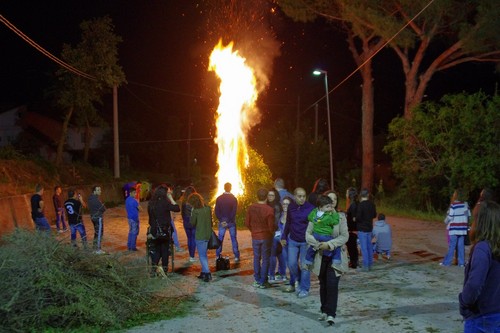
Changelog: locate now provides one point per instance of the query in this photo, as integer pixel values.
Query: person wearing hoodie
(382, 236)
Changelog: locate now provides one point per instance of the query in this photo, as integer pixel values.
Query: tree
(447, 145)
(363, 41)
(97, 56)
(448, 33)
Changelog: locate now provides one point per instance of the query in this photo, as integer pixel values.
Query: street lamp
(319, 72)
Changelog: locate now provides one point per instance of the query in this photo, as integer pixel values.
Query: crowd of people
(295, 233)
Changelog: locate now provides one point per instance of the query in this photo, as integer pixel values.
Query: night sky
(164, 54)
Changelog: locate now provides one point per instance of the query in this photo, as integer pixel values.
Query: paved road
(411, 293)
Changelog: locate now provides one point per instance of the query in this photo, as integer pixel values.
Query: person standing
(352, 243)
(457, 223)
(97, 209)
(486, 194)
(279, 185)
(294, 237)
(132, 207)
(320, 186)
(260, 221)
(324, 266)
(59, 210)
(226, 206)
(186, 210)
(160, 209)
(201, 220)
(37, 207)
(73, 208)
(276, 257)
(365, 213)
(479, 299)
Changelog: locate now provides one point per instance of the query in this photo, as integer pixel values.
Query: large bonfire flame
(238, 94)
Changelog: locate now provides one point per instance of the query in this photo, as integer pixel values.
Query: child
(383, 237)
(323, 219)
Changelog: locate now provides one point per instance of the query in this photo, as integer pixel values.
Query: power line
(373, 55)
(43, 51)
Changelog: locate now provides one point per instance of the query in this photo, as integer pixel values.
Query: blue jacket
(226, 205)
(297, 222)
(132, 207)
(481, 290)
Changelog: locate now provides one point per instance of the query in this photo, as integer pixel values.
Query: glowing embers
(238, 94)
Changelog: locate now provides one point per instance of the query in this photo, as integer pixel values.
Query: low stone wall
(15, 211)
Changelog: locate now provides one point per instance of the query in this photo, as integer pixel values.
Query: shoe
(179, 249)
(442, 264)
(265, 285)
(322, 316)
(329, 320)
(99, 252)
(271, 279)
(303, 294)
(289, 289)
(192, 259)
(461, 265)
(278, 277)
(236, 260)
(65, 229)
(60, 231)
(388, 258)
(201, 276)
(208, 277)
(256, 284)
(284, 278)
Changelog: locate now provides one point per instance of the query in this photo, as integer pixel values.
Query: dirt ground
(409, 293)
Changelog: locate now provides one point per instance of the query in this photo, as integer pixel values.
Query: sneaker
(278, 277)
(271, 279)
(322, 316)
(461, 265)
(192, 259)
(330, 321)
(265, 285)
(60, 231)
(236, 260)
(256, 284)
(303, 294)
(289, 289)
(284, 278)
(99, 252)
(442, 264)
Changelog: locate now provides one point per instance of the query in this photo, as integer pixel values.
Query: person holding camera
(160, 209)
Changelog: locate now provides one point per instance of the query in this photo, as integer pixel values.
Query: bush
(48, 285)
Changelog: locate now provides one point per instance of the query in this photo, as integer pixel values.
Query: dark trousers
(352, 249)
(328, 287)
(98, 232)
(161, 250)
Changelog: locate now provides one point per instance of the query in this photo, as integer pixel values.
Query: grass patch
(49, 286)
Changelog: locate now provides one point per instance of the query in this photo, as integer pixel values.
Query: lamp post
(319, 72)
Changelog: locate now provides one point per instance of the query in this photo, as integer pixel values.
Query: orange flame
(238, 94)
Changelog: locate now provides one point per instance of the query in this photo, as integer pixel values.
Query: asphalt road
(410, 293)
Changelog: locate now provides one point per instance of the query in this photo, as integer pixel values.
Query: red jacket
(260, 221)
